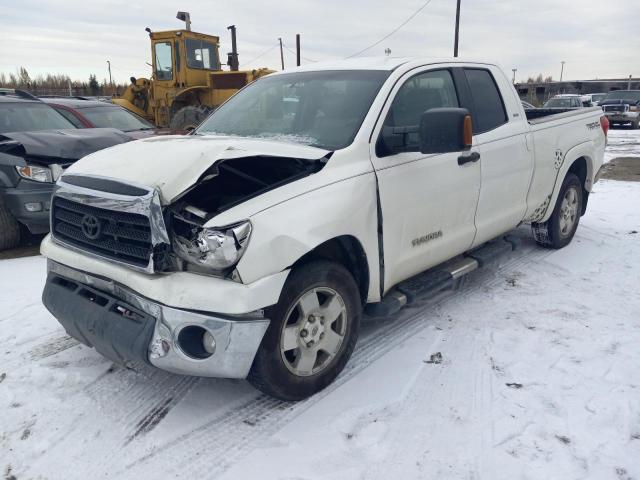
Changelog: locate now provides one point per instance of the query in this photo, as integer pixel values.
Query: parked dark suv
(36, 145)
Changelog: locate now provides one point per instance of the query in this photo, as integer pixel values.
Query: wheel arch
(189, 96)
(347, 251)
(578, 161)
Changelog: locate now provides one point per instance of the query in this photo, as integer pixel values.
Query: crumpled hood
(70, 144)
(172, 164)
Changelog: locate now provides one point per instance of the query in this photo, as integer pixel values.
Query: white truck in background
(252, 247)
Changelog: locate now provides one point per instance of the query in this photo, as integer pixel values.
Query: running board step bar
(441, 278)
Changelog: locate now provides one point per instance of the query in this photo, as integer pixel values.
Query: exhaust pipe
(232, 58)
(186, 18)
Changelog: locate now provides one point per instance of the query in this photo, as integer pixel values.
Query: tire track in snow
(233, 434)
(134, 401)
(148, 394)
(52, 347)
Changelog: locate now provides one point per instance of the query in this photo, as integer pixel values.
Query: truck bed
(541, 115)
(553, 136)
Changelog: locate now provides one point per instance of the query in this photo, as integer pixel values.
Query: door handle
(471, 157)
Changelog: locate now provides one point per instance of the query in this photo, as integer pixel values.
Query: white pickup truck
(251, 248)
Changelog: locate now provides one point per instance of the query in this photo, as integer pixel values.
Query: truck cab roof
(377, 63)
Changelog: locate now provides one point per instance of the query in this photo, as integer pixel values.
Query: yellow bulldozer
(187, 80)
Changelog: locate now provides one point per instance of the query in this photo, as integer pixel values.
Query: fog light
(159, 348)
(196, 342)
(208, 342)
(33, 207)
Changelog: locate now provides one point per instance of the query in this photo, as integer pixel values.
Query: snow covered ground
(539, 378)
(623, 142)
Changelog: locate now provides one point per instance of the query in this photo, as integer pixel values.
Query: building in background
(539, 92)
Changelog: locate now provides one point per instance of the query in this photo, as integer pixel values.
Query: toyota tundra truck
(253, 247)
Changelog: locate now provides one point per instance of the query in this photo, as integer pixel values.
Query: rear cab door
(427, 201)
(506, 151)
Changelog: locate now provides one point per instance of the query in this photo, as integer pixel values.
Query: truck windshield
(633, 95)
(115, 117)
(30, 117)
(323, 109)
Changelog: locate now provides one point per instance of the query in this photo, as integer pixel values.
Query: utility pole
(629, 83)
(514, 70)
(298, 49)
(281, 54)
(109, 66)
(562, 69)
(455, 43)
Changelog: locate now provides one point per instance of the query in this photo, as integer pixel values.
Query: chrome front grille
(106, 218)
(615, 108)
(112, 234)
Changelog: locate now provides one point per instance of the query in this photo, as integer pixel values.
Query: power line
(393, 31)
(261, 55)
(291, 51)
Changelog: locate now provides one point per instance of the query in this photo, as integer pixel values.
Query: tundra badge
(426, 238)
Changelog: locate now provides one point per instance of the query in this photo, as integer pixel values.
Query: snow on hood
(172, 164)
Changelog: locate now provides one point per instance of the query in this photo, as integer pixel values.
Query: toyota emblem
(91, 227)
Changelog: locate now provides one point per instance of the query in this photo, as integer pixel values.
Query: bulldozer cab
(183, 58)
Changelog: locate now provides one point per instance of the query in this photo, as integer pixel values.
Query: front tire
(313, 332)
(559, 230)
(188, 118)
(9, 229)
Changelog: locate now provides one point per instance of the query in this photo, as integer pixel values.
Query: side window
(489, 111)
(70, 116)
(422, 92)
(164, 64)
(201, 54)
(433, 89)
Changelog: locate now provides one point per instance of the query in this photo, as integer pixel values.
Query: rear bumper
(39, 196)
(127, 328)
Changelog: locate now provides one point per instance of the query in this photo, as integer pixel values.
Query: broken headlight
(215, 248)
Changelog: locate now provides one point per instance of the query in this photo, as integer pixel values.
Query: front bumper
(622, 117)
(127, 328)
(16, 200)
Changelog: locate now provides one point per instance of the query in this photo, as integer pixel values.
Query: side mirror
(444, 130)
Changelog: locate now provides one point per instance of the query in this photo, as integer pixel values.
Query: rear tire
(9, 229)
(559, 230)
(189, 117)
(313, 332)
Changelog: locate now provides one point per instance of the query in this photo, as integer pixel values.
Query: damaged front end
(126, 223)
(223, 186)
(30, 163)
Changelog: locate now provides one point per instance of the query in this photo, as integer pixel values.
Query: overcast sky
(596, 38)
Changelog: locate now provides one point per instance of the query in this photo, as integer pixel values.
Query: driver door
(428, 201)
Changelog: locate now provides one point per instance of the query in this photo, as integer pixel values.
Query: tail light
(604, 123)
